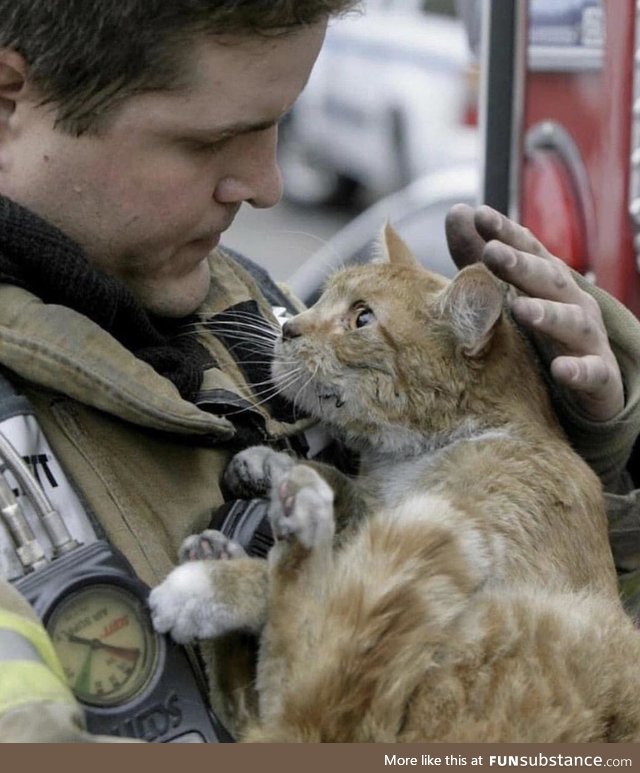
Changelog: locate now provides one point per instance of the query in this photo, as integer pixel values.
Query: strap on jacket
(12, 403)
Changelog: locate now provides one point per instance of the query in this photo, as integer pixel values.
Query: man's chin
(175, 300)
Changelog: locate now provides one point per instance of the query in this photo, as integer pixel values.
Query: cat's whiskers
(235, 319)
(246, 333)
(257, 361)
(253, 348)
(295, 400)
(271, 381)
(269, 393)
(204, 317)
(290, 367)
(244, 327)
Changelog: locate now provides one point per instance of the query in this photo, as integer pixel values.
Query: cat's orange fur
(478, 601)
(469, 593)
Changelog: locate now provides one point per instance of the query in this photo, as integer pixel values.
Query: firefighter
(130, 133)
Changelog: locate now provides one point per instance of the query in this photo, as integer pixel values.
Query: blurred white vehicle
(393, 96)
(417, 212)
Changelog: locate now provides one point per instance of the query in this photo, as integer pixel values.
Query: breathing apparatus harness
(130, 680)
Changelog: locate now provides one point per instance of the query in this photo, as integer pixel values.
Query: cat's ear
(393, 249)
(474, 301)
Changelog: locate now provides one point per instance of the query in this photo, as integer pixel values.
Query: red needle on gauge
(127, 653)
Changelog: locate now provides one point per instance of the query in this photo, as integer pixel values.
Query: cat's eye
(364, 316)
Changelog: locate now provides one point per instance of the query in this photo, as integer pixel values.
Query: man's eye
(364, 317)
(213, 146)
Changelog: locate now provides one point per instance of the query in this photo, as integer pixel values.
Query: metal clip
(27, 547)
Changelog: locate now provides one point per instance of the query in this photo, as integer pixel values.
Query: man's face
(148, 198)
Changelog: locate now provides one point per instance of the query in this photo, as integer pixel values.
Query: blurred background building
(531, 106)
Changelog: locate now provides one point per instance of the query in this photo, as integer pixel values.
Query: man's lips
(213, 237)
(209, 239)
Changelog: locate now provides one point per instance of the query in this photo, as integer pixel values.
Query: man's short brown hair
(86, 57)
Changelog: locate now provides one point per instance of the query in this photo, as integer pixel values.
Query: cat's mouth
(332, 394)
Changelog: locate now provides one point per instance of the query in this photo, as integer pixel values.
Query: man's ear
(13, 80)
(474, 301)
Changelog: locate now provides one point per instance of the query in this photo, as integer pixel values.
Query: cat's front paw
(186, 604)
(209, 545)
(252, 472)
(301, 508)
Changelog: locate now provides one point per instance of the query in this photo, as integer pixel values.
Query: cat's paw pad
(302, 508)
(209, 545)
(186, 606)
(252, 472)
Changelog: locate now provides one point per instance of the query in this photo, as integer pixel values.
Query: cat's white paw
(209, 545)
(302, 508)
(252, 472)
(187, 607)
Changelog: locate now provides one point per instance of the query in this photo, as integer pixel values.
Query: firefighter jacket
(145, 464)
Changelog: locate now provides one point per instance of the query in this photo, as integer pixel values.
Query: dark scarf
(38, 257)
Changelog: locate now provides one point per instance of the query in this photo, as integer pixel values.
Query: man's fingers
(566, 322)
(491, 224)
(587, 374)
(465, 244)
(585, 365)
(536, 276)
(595, 386)
(468, 230)
(568, 325)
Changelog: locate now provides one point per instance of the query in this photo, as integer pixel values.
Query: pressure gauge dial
(105, 642)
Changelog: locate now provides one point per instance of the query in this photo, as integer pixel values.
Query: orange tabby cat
(470, 593)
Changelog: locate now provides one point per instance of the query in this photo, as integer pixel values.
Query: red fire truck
(562, 121)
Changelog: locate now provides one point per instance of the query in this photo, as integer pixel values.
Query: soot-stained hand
(565, 320)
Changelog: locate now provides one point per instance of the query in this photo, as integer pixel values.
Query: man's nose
(253, 175)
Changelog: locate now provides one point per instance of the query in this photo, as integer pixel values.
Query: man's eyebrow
(242, 127)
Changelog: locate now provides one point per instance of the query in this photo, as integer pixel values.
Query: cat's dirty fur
(470, 593)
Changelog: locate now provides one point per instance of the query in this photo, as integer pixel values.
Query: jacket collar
(60, 349)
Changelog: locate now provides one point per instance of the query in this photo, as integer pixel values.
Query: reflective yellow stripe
(28, 682)
(35, 634)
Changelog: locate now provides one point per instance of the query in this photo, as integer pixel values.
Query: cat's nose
(290, 329)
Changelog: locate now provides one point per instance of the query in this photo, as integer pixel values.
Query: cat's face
(387, 344)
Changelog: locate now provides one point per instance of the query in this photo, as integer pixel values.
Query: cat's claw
(252, 472)
(209, 545)
(302, 508)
